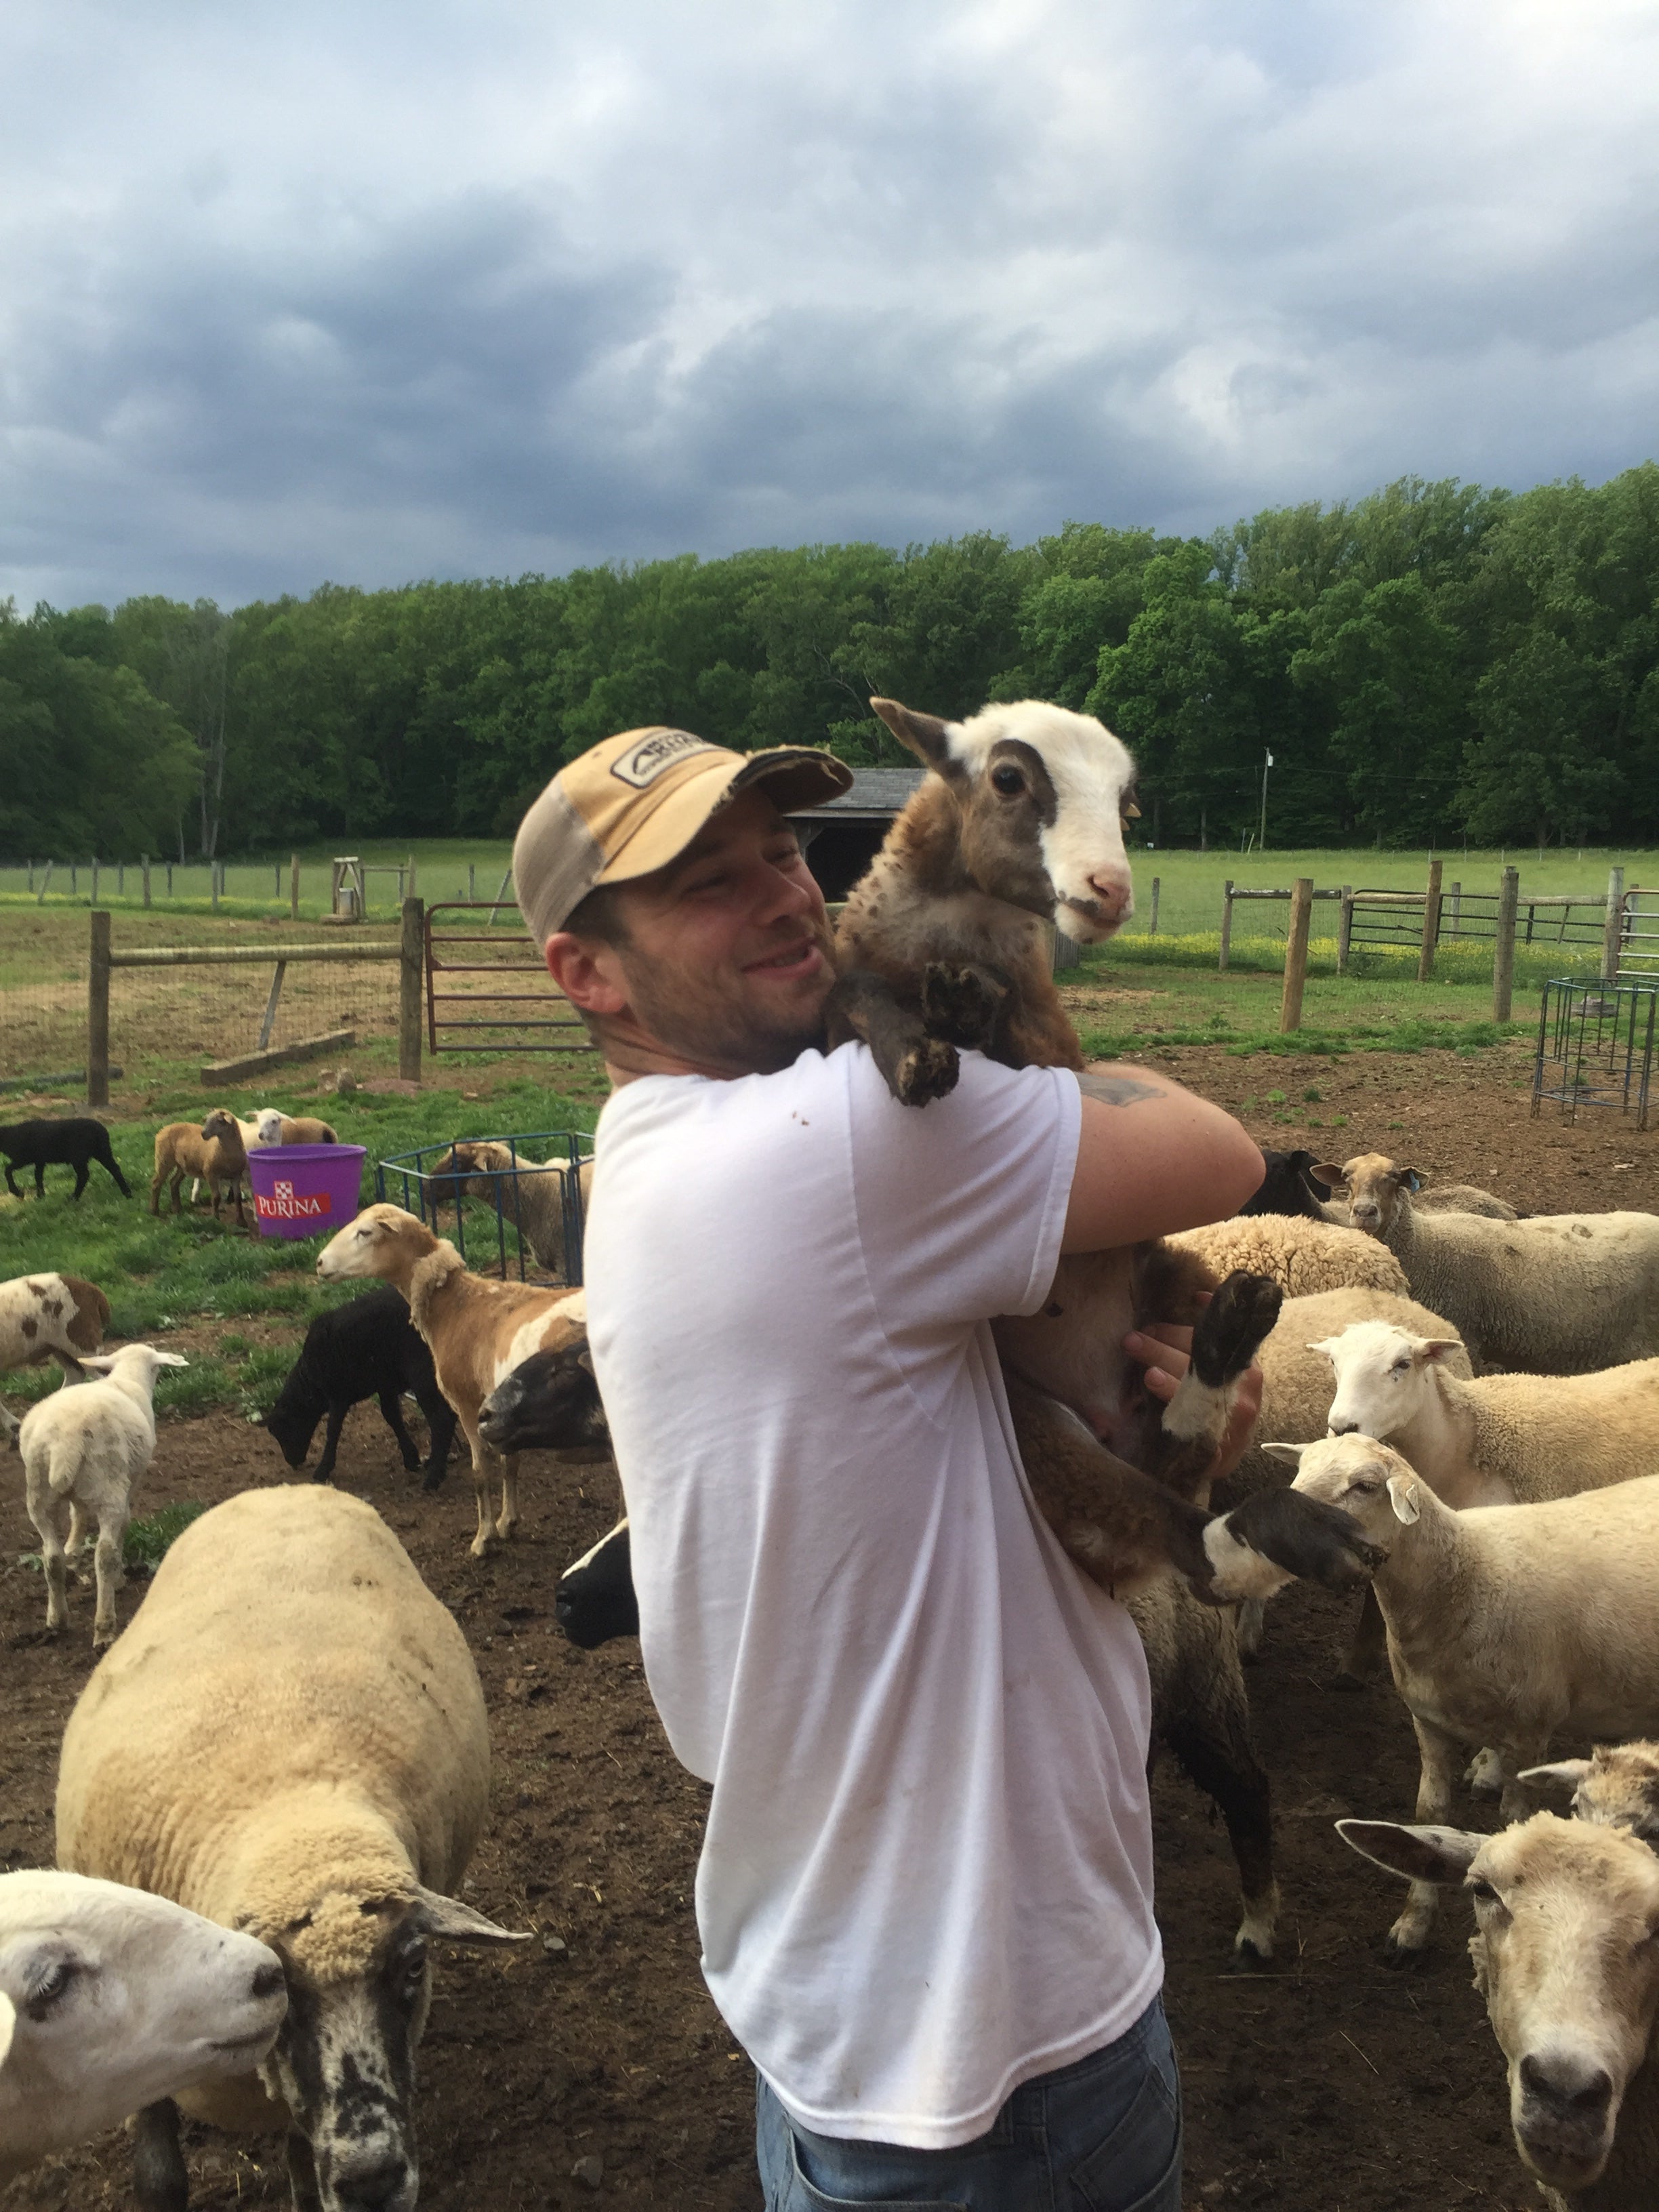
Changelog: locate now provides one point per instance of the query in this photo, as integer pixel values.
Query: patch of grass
(148, 1539)
(261, 1377)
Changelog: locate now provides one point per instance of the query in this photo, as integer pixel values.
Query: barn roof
(876, 794)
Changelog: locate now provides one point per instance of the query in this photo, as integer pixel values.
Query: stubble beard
(699, 1020)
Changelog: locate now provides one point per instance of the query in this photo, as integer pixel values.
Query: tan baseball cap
(630, 806)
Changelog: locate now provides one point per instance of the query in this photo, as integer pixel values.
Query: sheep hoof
(1231, 1327)
(434, 1480)
(961, 1005)
(926, 1070)
(1402, 1957)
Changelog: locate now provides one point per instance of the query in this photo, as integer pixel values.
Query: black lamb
(367, 1349)
(41, 1145)
(1288, 1188)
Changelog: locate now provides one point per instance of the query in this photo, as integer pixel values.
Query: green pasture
(187, 1271)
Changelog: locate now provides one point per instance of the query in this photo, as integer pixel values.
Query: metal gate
(486, 991)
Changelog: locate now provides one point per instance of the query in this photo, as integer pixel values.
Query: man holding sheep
(926, 1890)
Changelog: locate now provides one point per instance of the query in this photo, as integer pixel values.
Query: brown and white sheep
(59, 1317)
(478, 1331)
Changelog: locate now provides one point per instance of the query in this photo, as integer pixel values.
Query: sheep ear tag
(455, 1922)
(1402, 1496)
(8, 2022)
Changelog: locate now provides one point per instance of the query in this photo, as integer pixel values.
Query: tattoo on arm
(1116, 1090)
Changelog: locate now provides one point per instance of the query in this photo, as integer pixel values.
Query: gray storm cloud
(382, 293)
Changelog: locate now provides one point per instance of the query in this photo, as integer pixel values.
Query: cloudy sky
(372, 291)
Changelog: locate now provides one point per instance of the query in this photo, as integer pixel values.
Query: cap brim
(795, 777)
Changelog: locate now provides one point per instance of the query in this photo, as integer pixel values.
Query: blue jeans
(1101, 2136)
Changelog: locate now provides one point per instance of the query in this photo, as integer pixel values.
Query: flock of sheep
(289, 1739)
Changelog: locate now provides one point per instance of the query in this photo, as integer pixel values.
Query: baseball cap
(633, 803)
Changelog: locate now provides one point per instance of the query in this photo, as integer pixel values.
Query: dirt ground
(1328, 2084)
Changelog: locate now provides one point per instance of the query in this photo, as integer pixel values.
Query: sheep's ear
(1328, 1346)
(8, 2022)
(169, 1358)
(924, 735)
(1402, 1496)
(98, 1362)
(1564, 1774)
(1438, 1855)
(1292, 1452)
(1328, 1172)
(1425, 1350)
(455, 1922)
(1407, 1178)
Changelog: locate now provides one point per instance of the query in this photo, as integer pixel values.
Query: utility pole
(1266, 762)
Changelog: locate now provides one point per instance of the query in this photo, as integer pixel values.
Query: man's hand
(1166, 1354)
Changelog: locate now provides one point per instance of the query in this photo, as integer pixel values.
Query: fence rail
(492, 955)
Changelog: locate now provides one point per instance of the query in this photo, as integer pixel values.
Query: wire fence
(285, 884)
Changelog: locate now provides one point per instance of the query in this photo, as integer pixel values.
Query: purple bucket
(306, 1190)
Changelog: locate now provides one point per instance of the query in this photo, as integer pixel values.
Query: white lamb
(110, 1998)
(1508, 1624)
(83, 1449)
(290, 1738)
(1503, 1440)
(1557, 1294)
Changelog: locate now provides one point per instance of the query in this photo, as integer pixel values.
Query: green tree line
(1432, 663)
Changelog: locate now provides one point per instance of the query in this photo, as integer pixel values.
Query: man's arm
(1152, 1158)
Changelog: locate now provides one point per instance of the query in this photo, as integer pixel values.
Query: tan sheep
(290, 1738)
(1301, 1256)
(214, 1153)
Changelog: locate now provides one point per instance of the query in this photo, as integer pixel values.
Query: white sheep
(110, 1998)
(1557, 1294)
(1616, 1787)
(1503, 1440)
(1301, 1256)
(50, 1317)
(83, 1449)
(290, 1738)
(1567, 1933)
(1508, 1624)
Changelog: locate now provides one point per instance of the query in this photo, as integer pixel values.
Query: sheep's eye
(1400, 1367)
(1364, 1488)
(415, 1969)
(1483, 1893)
(1008, 781)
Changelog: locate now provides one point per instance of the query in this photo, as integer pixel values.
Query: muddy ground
(1328, 2084)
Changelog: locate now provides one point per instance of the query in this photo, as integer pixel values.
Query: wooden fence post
(1455, 901)
(98, 1012)
(1344, 929)
(94, 879)
(213, 883)
(1613, 931)
(1296, 954)
(294, 887)
(143, 862)
(1503, 957)
(1151, 926)
(1226, 923)
(408, 990)
(1431, 924)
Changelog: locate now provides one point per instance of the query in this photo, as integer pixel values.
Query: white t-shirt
(927, 1873)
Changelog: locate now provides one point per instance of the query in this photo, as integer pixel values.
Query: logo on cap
(644, 762)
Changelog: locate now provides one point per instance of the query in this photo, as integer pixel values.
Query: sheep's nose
(1113, 890)
(369, 2189)
(267, 1980)
(1566, 2082)
(1343, 1429)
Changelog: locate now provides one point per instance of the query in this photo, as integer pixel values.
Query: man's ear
(587, 972)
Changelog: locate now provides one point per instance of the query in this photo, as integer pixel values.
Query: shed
(842, 836)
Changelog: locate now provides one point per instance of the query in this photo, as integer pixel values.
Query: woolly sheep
(1503, 1440)
(110, 1998)
(57, 1317)
(83, 1450)
(1508, 1624)
(1567, 1954)
(478, 1331)
(1558, 1294)
(1616, 1787)
(1301, 1256)
(290, 1738)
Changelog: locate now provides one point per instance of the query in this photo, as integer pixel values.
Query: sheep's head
(1375, 1187)
(1042, 794)
(382, 1240)
(268, 1125)
(1364, 1479)
(359, 1979)
(1616, 1787)
(1383, 1375)
(225, 1128)
(460, 1172)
